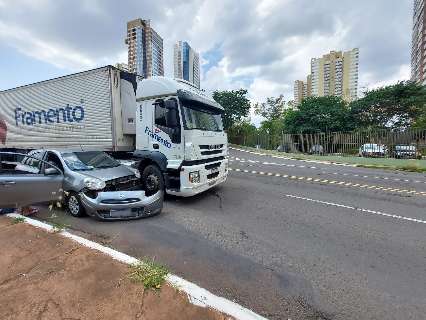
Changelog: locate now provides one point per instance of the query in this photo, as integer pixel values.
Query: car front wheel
(74, 205)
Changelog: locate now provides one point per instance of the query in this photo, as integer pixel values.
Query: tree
(236, 105)
(397, 106)
(318, 114)
(272, 109)
(243, 133)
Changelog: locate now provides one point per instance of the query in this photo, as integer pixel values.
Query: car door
(30, 184)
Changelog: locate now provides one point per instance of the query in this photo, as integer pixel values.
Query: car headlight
(136, 172)
(94, 184)
(194, 177)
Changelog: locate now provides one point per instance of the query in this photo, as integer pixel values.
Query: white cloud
(29, 44)
(263, 45)
(370, 82)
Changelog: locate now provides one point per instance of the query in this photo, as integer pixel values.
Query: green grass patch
(17, 220)
(58, 226)
(148, 272)
(409, 165)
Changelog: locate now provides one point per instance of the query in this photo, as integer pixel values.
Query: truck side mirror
(170, 104)
(172, 118)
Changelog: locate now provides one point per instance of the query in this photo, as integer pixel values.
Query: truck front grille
(212, 166)
(210, 149)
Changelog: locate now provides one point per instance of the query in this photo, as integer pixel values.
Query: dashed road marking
(379, 213)
(334, 182)
(242, 160)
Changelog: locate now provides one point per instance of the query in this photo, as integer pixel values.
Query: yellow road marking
(334, 182)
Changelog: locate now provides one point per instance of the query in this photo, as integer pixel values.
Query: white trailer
(172, 130)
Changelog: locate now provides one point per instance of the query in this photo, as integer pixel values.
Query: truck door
(144, 120)
(166, 135)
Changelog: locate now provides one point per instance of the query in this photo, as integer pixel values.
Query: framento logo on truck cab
(154, 135)
(66, 114)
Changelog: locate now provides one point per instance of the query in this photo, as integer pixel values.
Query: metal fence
(381, 142)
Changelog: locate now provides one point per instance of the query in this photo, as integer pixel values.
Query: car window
(54, 159)
(33, 162)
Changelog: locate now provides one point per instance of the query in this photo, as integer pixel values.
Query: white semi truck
(171, 131)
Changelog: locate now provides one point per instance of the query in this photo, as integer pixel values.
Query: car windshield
(405, 148)
(373, 147)
(89, 160)
(197, 116)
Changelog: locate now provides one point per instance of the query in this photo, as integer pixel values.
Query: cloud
(260, 45)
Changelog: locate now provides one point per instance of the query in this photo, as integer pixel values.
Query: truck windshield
(89, 160)
(197, 116)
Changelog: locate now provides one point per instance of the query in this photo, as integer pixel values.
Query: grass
(17, 220)
(148, 272)
(409, 165)
(58, 226)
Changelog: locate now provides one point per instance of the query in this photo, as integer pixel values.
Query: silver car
(20, 188)
(96, 184)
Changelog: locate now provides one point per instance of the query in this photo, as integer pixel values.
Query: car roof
(67, 150)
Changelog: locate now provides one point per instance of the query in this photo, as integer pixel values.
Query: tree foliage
(272, 109)
(397, 106)
(236, 105)
(318, 114)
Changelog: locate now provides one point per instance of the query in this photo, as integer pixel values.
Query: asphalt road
(292, 239)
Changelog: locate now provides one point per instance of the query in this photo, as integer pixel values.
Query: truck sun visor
(187, 95)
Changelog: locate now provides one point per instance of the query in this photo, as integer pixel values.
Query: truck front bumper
(122, 205)
(209, 177)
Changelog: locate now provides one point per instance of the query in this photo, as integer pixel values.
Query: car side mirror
(51, 172)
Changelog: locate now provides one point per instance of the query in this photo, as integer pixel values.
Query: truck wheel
(152, 180)
(74, 205)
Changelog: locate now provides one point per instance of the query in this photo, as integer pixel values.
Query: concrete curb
(197, 295)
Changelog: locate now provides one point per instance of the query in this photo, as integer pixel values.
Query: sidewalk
(44, 275)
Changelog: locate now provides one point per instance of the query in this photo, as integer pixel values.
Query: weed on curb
(151, 274)
(58, 227)
(17, 220)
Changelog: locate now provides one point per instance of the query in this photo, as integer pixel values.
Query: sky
(260, 45)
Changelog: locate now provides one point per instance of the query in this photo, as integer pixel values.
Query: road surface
(292, 239)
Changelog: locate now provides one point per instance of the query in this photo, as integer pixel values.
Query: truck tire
(152, 180)
(74, 205)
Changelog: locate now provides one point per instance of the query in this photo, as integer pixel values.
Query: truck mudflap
(210, 174)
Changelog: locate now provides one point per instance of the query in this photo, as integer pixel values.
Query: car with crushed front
(96, 184)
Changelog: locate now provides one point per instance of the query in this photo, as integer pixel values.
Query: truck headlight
(94, 184)
(194, 177)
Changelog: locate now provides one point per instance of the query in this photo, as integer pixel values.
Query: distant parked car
(317, 149)
(372, 150)
(283, 148)
(406, 152)
(96, 184)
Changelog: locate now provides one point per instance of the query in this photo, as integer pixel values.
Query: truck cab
(180, 142)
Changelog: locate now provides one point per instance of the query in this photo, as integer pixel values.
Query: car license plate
(215, 170)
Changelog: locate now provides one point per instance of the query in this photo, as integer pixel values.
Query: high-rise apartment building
(302, 90)
(186, 63)
(145, 49)
(336, 74)
(418, 43)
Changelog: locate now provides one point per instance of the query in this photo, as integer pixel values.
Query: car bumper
(207, 181)
(122, 205)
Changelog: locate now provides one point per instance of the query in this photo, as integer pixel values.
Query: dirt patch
(45, 276)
